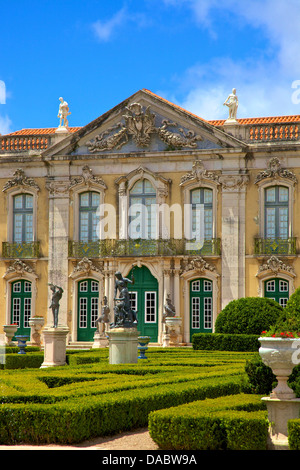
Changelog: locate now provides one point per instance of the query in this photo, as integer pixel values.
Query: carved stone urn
(9, 331)
(280, 354)
(36, 324)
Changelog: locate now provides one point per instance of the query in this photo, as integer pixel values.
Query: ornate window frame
(275, 268)
(19, 270)
(20, 184)
(126, 182)
(275, 176)
(85, 183)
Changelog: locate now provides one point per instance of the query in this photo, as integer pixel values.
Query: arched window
(278, 290)
(23, 218)
(202, 214)
(277, 212)
(142, 210)
(89, 210)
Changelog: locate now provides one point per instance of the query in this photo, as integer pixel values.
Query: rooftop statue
(232, 102)
(63, 113)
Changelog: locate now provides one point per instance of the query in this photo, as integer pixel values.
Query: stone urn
(280, 354)
(22, 339)
(9, 331)
(36, 324)
(143, 346)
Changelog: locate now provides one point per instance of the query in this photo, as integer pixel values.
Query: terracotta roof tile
(45, 131)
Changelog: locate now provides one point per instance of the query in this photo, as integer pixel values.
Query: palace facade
(202, 211)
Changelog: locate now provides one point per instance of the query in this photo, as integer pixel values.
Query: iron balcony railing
(279, 246)
(142, 247)
(21, 250)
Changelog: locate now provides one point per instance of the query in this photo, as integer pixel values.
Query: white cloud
(105, 29)
(5, 125)
(264, 85)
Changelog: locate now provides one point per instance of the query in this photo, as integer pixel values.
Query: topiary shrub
(248, 315)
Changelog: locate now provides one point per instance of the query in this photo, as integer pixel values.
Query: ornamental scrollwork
(20, 179)
(199, 173)
(274, 170)
(87, 178)
(140, 125)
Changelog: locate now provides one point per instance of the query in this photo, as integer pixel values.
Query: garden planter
(143, 346)
(10, 331)
(280, 355)
(22, 343)
(36, 324)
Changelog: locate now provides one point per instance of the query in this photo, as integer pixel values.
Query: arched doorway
(144, 299)
(88, 309)
(201, 306)
(21, 291)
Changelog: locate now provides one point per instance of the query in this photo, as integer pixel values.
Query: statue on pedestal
(232, 102)
(56, 296)
(103, 319)
(169, 308)
(124, 315)
(63, 113)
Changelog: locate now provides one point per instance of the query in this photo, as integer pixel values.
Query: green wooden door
(21, 306)
(201, 306)
(144, 299)
(277, 289)
(88, 303)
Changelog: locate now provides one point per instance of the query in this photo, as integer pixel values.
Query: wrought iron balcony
(279, 246)
(143, 247)
(21, 250)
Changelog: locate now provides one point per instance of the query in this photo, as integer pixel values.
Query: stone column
(58, 244)
(233, 236)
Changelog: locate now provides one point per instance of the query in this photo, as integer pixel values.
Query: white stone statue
(63, 113)
(232, 102)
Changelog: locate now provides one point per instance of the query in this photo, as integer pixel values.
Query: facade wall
(232, 269)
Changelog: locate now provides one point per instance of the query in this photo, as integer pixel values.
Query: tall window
(202, 214)
(142, 210)
(23, 218)
(277, 212)
(89, 203)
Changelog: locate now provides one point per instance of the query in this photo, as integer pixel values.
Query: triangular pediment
(144, 122)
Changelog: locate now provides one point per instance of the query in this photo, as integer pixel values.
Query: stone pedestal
(279, 412)
(100, 341)
(55, 340)
(173, 330)
(123, 345)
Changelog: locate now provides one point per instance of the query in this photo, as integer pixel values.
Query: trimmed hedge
(248, 315)
(236, 422)
(225, 342)
(294, 434)
(76, 419)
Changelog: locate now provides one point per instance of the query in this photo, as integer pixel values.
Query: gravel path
(136, 440)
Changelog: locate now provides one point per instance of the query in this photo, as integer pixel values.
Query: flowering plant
(273, 333)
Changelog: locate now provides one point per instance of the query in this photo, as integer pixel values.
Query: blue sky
(96, 53)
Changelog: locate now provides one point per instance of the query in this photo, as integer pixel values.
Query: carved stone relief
(87, 178)
(85, 266)
(140, 125)
(274, 170)
(198, 264)
(199, 173)
(20, 179)
(20, 268)
(275, 265)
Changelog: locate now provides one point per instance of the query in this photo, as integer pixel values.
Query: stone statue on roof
(232, 102)
(63, 113)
